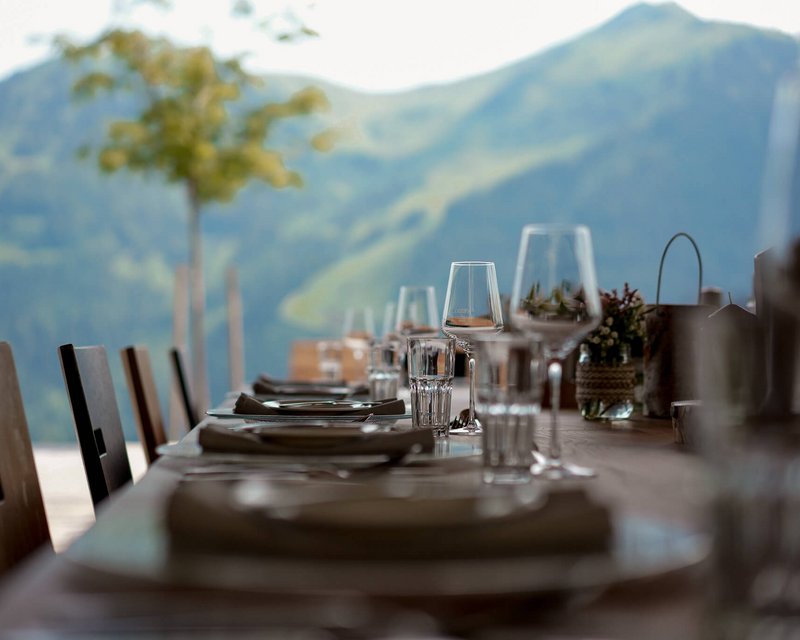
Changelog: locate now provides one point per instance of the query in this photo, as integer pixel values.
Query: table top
(640, 473)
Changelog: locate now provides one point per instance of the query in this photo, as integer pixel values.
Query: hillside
(655, 122)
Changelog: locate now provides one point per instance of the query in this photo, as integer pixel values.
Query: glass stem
(471, 424)
(554, 377)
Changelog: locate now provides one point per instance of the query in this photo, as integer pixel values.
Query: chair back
(96, 415)
(144, 399)
(23, 523)
(181, 375)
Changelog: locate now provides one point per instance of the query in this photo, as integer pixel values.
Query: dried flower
(622, 326)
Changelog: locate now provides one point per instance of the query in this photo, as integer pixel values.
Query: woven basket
(610, 383)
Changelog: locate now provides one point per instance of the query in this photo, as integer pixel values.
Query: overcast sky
(373, 45)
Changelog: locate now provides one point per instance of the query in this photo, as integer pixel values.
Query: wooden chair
(181, 375)
(23, 523)
(96, 416)
(144, 399)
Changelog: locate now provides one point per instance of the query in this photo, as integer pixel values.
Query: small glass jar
(605, 390)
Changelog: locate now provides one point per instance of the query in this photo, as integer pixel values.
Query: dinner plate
(191, 449)
(229, 414)
(642, 548)
(317, 406)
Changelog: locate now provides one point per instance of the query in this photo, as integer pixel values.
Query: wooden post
(235, 330)
(180, 323)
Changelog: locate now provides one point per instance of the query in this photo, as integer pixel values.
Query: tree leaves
(187, 129)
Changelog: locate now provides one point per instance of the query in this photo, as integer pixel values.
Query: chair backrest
(23, 523)
(96, 416)
(181, 374)
(144, 399)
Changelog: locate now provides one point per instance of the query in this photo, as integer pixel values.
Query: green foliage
(187, 129)
(417, 180)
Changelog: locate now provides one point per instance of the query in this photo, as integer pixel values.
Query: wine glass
(389, 316)
(417, 314)
(359, 329)
(555, 301)
(471, 308)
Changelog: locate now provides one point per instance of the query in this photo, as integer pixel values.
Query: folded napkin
(216, 515)
(268, 386)
(313, 440)
(248, 405)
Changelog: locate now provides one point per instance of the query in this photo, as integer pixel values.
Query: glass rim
(538, 227)
(471, 262)
(430, 339)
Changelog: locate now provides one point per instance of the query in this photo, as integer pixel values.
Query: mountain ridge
(610, 129)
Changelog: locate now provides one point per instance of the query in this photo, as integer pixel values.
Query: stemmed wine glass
(471, 307)
(358, 330)
(417, 314)
(555, 301)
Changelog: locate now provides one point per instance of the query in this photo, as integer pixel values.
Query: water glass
(431, 363)
(383, 370)
(510, 376)
(329, 359)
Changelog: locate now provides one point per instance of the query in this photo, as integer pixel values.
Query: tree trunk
(197, 304)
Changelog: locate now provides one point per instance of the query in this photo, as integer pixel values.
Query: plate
(191, 449)
(312, 407)
(642, 548)
(229, 414)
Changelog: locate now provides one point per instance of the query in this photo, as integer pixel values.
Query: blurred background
(454, 124)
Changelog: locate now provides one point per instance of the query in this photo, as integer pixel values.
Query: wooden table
(640, 471)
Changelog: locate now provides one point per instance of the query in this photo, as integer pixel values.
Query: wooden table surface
(640, 472)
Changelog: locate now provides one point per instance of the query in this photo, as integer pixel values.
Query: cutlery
(310, 470)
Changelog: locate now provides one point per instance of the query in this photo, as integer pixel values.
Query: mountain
(656, 122)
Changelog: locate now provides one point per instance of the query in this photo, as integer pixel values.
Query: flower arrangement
(621, 329)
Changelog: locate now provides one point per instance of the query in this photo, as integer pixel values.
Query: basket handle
(699, 265)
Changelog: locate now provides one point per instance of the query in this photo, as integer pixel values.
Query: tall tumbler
(510, 377)
(431, 363)
(753, 444)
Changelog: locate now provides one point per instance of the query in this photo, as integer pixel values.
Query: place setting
(387, 497)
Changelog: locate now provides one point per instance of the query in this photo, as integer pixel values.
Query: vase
(605, 390)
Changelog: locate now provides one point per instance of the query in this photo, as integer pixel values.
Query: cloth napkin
(220, 515)
(313, 440)
(248, 405)
(268, 386)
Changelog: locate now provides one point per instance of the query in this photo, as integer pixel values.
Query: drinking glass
(329, 359)
(555, 301)
(383, 370)
(359, 329)
(508, 394)
(431, 363)
(417, 314)
(471, 308)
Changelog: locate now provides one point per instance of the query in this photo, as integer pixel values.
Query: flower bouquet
(605, 376)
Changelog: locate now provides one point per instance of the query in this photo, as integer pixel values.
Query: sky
(371, 45)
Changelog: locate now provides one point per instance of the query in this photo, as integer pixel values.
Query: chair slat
(23, 523)
(96, 416)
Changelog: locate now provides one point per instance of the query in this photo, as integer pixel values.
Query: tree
(188, 130)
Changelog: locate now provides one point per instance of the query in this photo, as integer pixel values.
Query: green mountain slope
(655, 122)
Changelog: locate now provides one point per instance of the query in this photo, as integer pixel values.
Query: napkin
(248, 405)
(210, 516)
(313, 440)
(268, 386)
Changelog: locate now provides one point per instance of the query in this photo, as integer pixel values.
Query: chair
(184, 386)
(23, 523)
(96, 415)
(144, 399)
